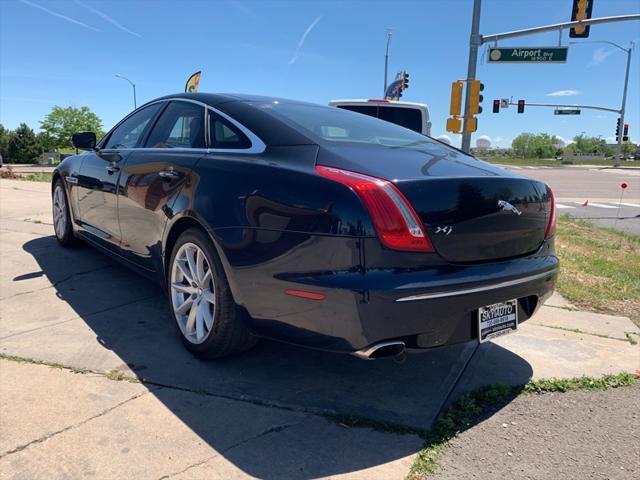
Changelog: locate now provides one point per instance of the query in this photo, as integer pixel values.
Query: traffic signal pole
(475, 40)
(616, 161)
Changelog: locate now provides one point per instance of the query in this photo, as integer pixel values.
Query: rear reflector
(551, 226)
(396, 222)
(305, 294)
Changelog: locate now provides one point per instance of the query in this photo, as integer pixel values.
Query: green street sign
(566, 111)
(528, 55)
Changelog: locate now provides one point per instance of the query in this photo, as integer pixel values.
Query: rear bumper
(426, 308)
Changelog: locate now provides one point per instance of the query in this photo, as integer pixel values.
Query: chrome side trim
(484, 288)
(69, 179)
(367, 352)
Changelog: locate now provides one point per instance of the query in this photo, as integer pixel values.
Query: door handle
(111, 169)
(168, 173)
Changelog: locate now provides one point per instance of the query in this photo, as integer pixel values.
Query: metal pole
(555, 26)
(386, 59)
(135, 103)
(567, 105)
(616, 160)
(475, 41)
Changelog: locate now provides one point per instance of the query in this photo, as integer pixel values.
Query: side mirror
(84, 140)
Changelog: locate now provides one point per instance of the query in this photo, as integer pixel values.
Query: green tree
(5, 136)
(529, 145)
(61, 123)
(591, 145)
(628, 148)
(23, 145)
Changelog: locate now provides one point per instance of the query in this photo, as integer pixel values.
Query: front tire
(61, 216)
(200, 299)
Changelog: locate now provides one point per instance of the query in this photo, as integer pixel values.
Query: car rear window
(338, 125)
(410, 118)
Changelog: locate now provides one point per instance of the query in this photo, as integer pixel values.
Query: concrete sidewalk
(262, 414)
(59, 424)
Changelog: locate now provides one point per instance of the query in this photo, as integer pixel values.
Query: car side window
(128, 133)
(224, 134)
(181, 125)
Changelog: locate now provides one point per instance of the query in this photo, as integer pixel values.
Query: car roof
(220, 98)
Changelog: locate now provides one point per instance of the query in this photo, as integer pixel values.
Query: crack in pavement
(267, 431)
(70, 427)
(58, 282)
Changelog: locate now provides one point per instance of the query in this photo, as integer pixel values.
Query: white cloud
(109, 19)
(600, 56)
(303, 38)
(564, 93)
(59, 15)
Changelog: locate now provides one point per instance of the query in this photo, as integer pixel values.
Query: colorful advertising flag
(192, 83)
(394, 90)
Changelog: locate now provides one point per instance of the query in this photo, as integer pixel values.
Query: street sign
(528, 55)
(504, 103)
(566, 111)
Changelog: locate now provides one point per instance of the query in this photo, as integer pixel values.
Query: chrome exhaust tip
(381, 350)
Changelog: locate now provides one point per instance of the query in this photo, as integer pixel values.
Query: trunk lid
(472, 211)
(472, 219)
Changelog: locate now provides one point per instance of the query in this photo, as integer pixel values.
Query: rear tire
(61, 216)
(200, 299)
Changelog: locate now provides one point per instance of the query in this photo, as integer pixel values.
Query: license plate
(497, 320)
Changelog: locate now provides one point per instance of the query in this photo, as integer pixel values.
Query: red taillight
(551, 227)
(394, 219)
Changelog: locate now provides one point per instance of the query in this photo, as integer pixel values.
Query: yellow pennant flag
(192, 83)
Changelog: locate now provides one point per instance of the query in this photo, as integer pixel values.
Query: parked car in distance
(314, 225)
(414, 116)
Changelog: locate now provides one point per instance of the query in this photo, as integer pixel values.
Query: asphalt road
(593, 194)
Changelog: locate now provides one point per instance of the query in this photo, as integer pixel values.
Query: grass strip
(600, 268)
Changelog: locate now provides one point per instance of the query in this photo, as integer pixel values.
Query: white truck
(414, 116)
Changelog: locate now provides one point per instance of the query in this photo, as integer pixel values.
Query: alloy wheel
(59, 212)
(193, 293)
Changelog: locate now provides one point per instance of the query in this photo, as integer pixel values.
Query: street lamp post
(618, 156)
(135, 103)
(386, 58)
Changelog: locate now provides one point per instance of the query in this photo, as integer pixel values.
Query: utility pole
(475, 40)
(386, 58)
(616, 161)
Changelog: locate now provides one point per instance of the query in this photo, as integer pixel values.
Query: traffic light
(520, 106)
(475, 99)
(456, 98)
(625, 132)
(405, 80)
(618, 130)
(496, 106)
(581, 10)
(472, 124)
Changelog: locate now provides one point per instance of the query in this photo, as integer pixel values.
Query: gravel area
(585, 435)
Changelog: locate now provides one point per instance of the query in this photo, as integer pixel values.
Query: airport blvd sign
(566, 111)
(528, 55)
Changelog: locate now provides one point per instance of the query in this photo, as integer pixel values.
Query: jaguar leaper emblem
(508, 207)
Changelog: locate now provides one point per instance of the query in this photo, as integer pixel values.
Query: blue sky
(68, 52)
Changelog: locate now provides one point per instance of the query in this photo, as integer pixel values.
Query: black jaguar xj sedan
(264, 217)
